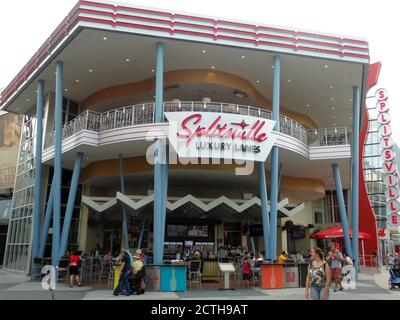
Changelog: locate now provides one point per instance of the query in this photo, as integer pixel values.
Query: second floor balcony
(144, 114)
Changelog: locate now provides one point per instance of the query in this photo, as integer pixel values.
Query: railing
(144, 114)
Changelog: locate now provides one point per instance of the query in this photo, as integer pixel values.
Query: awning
(336, 232)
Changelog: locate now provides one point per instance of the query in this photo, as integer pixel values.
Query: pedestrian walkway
(17, 287)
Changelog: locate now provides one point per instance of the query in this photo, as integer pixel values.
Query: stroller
(137, 281)
(394, 271)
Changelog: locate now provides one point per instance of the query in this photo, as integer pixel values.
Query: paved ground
(15, 287)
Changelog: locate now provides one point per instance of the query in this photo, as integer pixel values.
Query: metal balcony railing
(144, 114)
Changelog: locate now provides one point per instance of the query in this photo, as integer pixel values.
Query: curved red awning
(336, 232)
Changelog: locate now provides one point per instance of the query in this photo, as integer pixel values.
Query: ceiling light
(307, 105)
(273, 67)
(152, 70)
(326, 66)
(289, 81)
(351, 118)
(351, 100)
(27, 100)
(204, 51)
(90, 70)
(66, 90)
(243, 57)
(333, 108)
(258, 81)
(17, 108)
(212, 67)
(331, 87)
(105, 38)
(77, 81)
(332, 99)
(128, 60)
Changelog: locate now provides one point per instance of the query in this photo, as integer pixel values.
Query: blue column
(165, 193)
(124, 217)
(354, 173)
(275, 158)
(57, 163)
(38, 168)
(158, 177)
(342, 208)
(264, 209)
(141, 233)
(71, 203)
(46, 223)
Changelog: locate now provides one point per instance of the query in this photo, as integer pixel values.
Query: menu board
(198, 231)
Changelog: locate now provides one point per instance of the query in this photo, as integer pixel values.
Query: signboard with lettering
(220, 135)
(389, 167)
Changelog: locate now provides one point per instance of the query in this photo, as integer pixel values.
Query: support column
(342, 209)
(158, 242)
(164, 171)
(355, 174)
(275, 158)
(57, 163)
(139, 245)
(37, 210)
(47, 219)
(71, 203)
(124, 217)
(264, 210)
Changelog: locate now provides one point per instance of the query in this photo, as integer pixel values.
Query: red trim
(73, 18)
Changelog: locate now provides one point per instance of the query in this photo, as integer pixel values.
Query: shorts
(336, 273)
(73, 271)
(246, 276)
(316, 293)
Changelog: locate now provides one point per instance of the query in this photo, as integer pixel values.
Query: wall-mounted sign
(390, 180)
(392, 193)
(385, 130)
(388, 155)
(220, 135)
(389, 167)
(394, 219)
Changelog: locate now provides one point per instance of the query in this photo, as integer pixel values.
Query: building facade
(273, 113)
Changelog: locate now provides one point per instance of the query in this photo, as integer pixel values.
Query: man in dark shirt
(123, 283)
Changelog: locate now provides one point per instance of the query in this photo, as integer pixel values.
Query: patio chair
(195, 273)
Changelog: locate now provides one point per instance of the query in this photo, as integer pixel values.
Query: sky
(24, 32)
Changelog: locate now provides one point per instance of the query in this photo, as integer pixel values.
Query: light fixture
(326, 66)
(331, 87)
(289, 81)
(307, 105)
(105, 38)
(152, 70)
(333, 108)
(204, 51)
(351, 100)
(258, 81)
(243, 57)
(351, 118)
(332, 99)
(27, 100)
(128, 60)
(77, 81)
(90, 70)
(239, 94)
(17, 108)
(212, 67)
(66, 90)
(273, 67)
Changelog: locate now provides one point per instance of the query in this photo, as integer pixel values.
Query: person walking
(126, 270)
(74, 269)
(336, 258)
(246, 270)
(318, 277)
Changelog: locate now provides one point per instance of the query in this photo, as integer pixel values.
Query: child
(247, 270)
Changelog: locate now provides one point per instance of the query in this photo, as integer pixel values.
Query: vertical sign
(390, 179)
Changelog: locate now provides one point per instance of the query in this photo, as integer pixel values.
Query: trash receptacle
(290, 276)
(272, 276)
(303, 268)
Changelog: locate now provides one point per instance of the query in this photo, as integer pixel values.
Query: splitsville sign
(389, 167)
(220, 135)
